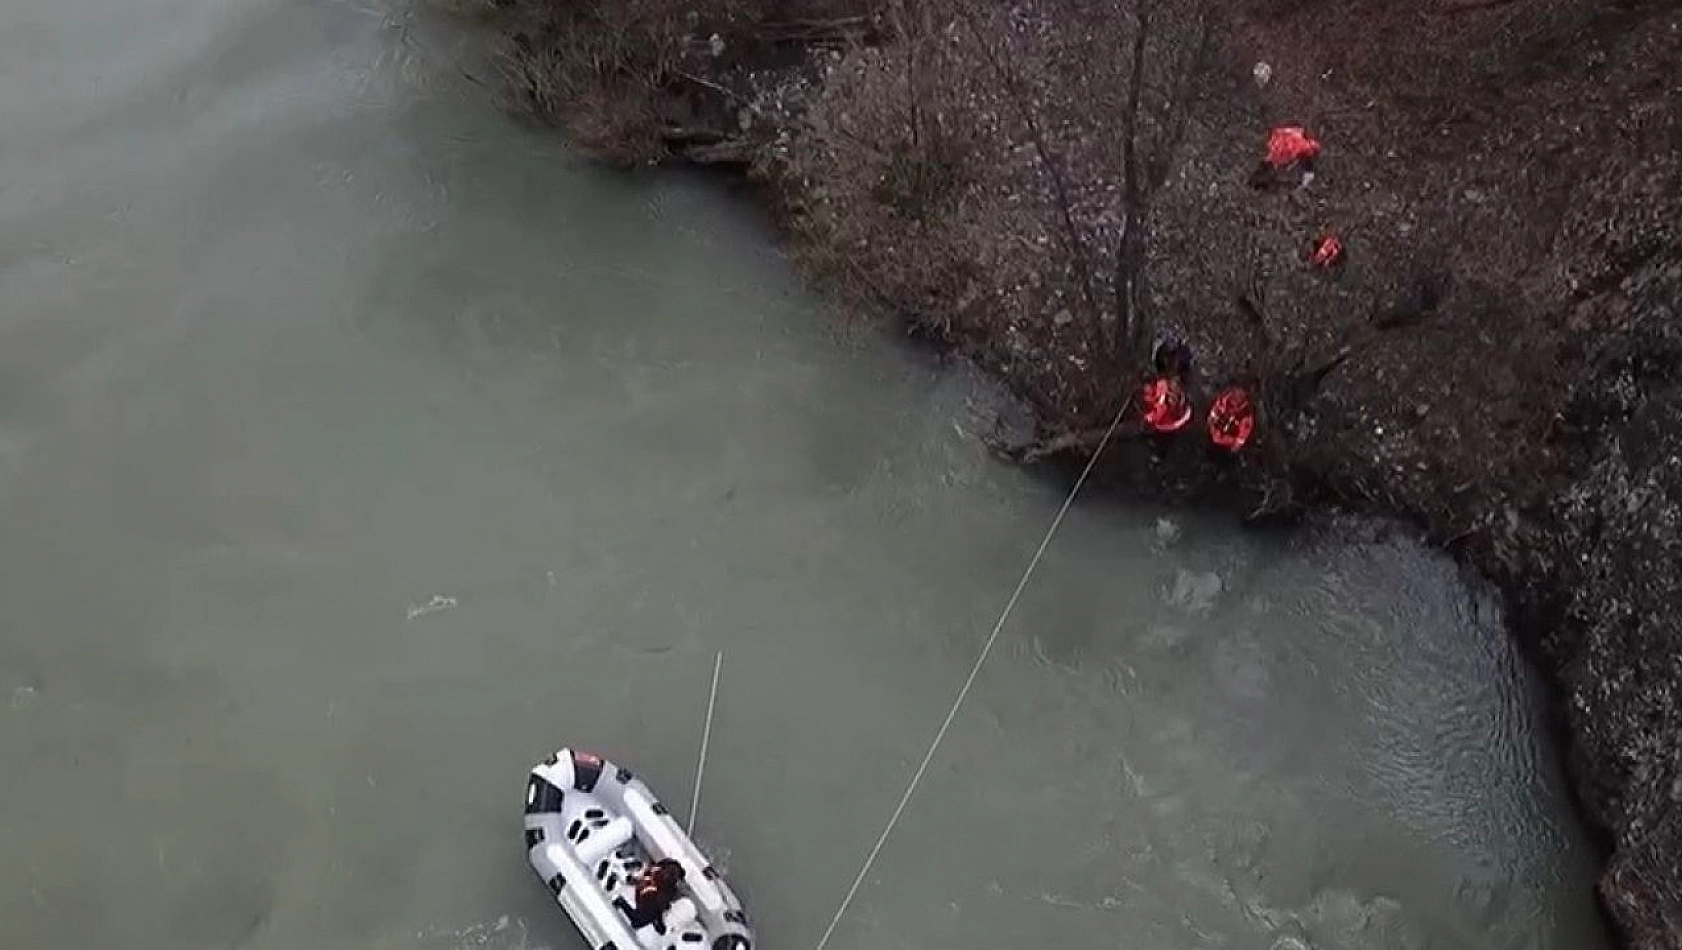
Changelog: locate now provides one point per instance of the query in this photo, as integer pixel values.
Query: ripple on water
(504, 933)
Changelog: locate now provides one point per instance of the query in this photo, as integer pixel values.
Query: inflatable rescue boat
(591, 828)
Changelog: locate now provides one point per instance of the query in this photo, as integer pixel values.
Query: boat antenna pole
(706, 737)
(975, 670)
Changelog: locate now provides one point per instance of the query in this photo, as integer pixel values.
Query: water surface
(359, 446)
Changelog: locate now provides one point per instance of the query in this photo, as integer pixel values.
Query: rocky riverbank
(1048, 187)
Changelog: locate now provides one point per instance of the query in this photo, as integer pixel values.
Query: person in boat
(657, 890)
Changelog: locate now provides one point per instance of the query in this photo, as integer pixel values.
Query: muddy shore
(1048, 188)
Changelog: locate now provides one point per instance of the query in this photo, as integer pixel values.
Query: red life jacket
(1328, 252)
(1166, 408)
(1232, 419)
(1290, 144)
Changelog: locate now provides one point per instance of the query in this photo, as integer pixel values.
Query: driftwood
(1086, 440)
(730, 151)
(1079, 440)
(816, 32)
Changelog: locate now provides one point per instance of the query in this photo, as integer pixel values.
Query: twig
(702, 81)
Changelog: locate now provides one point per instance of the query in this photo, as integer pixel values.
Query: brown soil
(1049, 186)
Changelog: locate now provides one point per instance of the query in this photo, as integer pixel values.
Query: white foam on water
(437, 604)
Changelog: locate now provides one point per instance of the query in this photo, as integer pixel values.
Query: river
(358, 447)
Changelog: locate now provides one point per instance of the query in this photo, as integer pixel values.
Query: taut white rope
(706, 736)
(963, 691)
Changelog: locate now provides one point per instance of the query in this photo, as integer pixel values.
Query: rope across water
(706, 737)
(963, 691)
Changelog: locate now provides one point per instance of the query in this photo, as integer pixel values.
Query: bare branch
(1130, 248)
(1019, 99)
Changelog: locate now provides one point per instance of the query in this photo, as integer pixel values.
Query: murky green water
(358, 447)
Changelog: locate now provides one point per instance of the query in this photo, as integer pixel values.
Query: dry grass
(604, 69)
(946, 174)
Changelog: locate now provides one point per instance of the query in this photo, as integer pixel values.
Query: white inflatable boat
(591, 828)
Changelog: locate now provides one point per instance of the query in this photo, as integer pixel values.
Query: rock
(1196, 591)
(1167, 531)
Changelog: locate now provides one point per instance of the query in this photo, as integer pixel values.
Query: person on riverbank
(1165, 408)
(1172, 357)
(1232, 418)
(1289, 162)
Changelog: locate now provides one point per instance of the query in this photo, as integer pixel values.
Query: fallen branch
(708, 83)
(682, 135)
(1085, 440)
(1451, 7)
(736, 151)
(837, 29)
(1067, 442)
